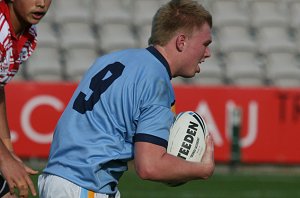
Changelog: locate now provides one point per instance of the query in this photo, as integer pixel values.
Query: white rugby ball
(187, 136)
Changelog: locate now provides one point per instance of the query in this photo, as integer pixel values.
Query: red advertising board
(33, 110)
(270, 121)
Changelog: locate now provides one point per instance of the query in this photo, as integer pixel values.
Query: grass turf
(239, 184)
(229, 185)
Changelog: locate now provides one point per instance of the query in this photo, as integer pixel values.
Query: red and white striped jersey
(13, 50)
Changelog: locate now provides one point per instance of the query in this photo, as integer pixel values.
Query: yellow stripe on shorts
(91, 194)
(86, 193)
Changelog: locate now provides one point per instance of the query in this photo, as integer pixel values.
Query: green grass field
(219, 186)
(244, 183)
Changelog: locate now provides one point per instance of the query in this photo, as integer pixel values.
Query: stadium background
(254, 68)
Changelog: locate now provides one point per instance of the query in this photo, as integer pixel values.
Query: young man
(17, 42)
(121, 110)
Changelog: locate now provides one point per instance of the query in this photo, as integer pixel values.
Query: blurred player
(122, 110)
(17, 42)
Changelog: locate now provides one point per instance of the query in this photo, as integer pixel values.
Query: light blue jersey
(124, 97)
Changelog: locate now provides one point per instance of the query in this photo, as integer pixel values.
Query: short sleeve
(156, 116)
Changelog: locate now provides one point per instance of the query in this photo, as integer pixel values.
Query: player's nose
(207, 53)
(40, 3)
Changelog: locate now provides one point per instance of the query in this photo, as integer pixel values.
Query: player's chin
(191, 74)
(194, 73)
(188, 75)
(34, 20)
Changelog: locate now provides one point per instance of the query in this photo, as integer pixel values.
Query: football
(187, 136)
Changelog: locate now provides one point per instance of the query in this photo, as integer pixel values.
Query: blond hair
(177, 15)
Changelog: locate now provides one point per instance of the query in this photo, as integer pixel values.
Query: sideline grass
(223, 184)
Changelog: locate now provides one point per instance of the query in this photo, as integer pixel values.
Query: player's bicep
(146, 156)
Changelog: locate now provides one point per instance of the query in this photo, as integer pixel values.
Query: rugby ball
(187, 136)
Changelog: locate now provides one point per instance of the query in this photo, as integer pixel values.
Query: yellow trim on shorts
(91, 194)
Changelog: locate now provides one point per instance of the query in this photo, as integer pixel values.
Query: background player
(121, 110)
(17, 42)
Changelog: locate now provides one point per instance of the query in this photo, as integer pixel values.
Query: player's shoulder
(134, 58)
(131, 54)
(137, 61)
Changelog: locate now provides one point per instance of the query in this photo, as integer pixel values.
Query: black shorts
(4, 189)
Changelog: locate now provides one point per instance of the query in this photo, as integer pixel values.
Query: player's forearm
(173, 169)
(4, 129)
(167, 168)
(4, 153)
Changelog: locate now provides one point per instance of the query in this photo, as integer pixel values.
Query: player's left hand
(17, 175)
(8, 195)
(208, 157)
(28, 169)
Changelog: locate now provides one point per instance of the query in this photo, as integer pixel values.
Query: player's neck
(166, 52)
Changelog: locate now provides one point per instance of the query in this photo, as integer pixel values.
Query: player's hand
(208, 156)
(8, 195)
(28, 169)
(16, 175)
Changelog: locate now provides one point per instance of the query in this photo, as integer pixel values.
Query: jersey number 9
(99, 84)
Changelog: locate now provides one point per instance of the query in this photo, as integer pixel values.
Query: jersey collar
(160, 57)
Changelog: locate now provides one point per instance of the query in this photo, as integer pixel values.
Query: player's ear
(180, 42)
